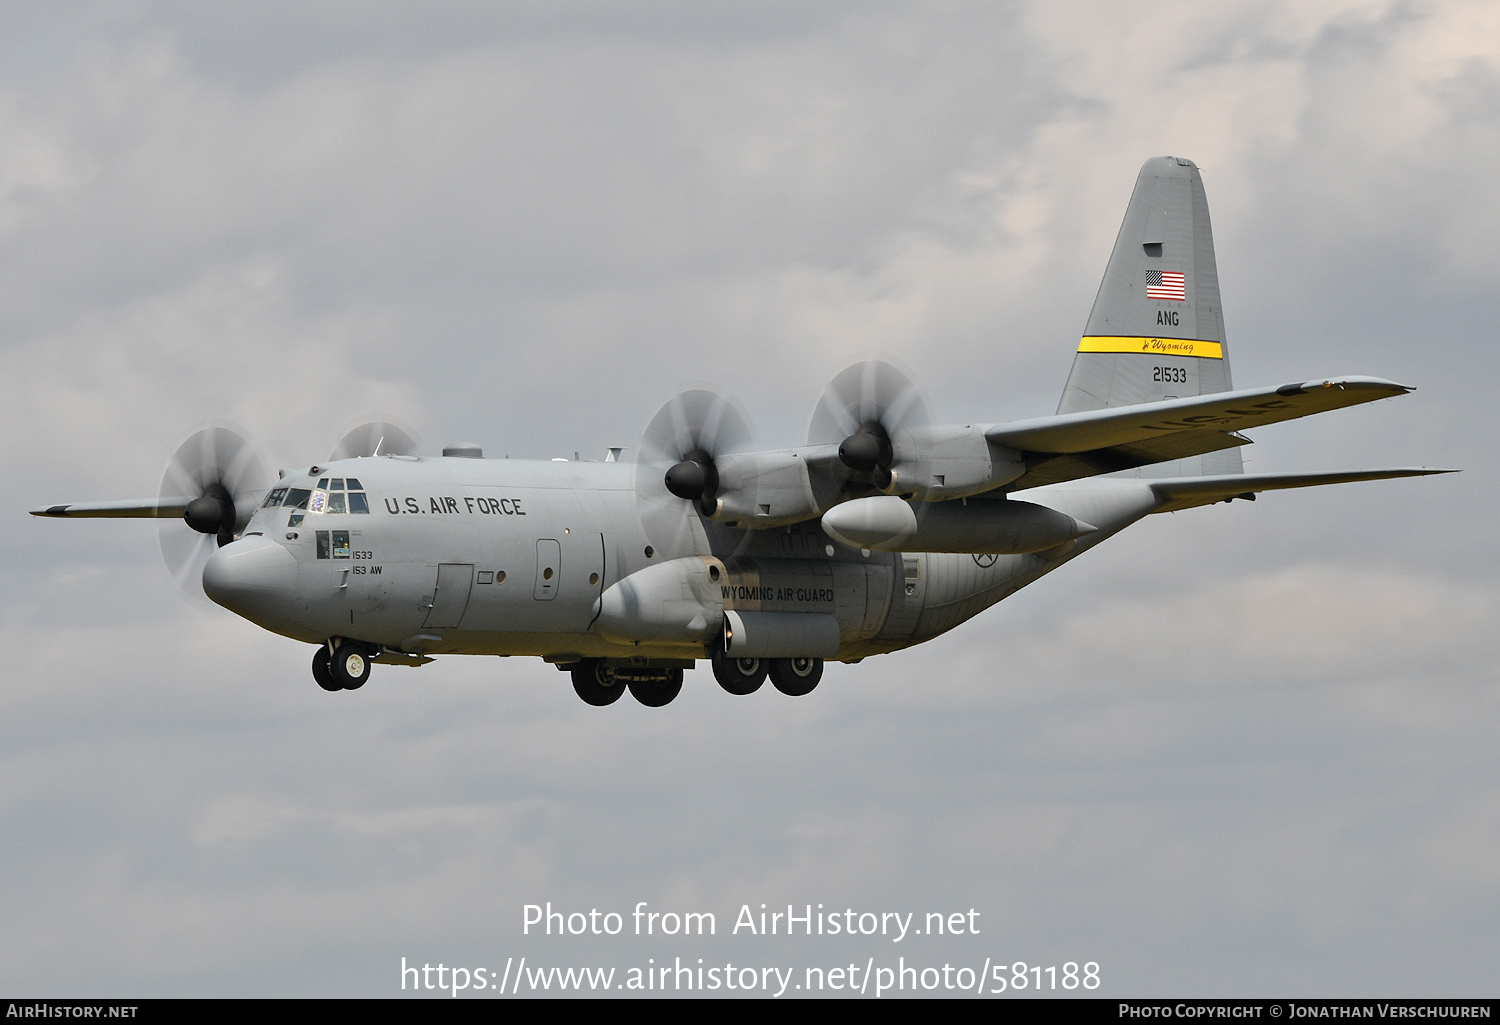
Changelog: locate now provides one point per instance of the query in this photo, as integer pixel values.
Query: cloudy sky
(1244, 750)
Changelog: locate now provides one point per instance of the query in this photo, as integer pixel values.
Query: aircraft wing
(1174, 493)
(1073, 445)
(144, 508)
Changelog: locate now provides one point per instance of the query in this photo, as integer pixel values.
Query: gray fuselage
(510, 557)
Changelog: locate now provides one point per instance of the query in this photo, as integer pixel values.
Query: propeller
(377, 438)
(864, 411)
(218, 476)
(676, 463)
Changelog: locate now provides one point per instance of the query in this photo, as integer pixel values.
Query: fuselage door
(454, 582)
(548, 569)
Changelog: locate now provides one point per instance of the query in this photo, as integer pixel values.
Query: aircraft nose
(252, 577)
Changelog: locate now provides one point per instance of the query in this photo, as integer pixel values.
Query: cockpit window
(274, 498)
(323, 483)
(355, 485)
(334, 501)
(296, 498)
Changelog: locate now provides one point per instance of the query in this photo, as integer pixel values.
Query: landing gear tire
(596, 685)
(738, 675)
(322, 670)
(795, 677)
(655, 693)
(350, 666)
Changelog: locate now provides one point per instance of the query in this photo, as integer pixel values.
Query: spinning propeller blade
(377, 438)
(222, 475)
(676, 468)
(864, 411)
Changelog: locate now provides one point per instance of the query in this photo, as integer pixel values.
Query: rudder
(1157, 327)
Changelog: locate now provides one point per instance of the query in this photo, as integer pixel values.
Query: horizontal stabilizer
(1186, 492)
(141, 508)
(1074, 445)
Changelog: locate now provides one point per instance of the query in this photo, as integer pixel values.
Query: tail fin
(1157, 327)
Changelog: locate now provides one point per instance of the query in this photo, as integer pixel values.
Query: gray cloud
(1240, 749)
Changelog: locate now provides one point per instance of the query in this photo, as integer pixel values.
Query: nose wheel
(347, 668)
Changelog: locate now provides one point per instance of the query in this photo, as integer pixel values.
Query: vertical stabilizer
(1157, 327)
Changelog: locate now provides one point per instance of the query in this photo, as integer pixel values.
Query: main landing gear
(792, 676)
(346, 668)
(795, 677)
(599, 684)
(738, 675)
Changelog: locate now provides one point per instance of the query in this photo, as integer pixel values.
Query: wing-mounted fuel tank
(999, 526)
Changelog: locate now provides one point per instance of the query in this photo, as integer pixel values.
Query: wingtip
(1350, 381)
(50, 510)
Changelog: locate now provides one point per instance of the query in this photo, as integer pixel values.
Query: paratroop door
(454, 582)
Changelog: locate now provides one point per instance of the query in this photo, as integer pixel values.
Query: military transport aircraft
(883, 531)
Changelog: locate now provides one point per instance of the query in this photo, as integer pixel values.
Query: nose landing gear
(347, 668)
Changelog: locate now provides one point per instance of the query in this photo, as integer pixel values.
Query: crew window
(322, 537)
(337, 502)
(274, 498)
(323, 483)
(296, 498)
(341, 544)
(337, 485)
(355, 485)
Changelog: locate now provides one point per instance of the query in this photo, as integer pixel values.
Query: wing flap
(1219, 412)
(1055, 469)
(1176, 493)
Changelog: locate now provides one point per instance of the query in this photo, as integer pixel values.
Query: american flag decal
(1166, 284)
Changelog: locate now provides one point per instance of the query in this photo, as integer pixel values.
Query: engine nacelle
(678, 601)
(939, 463)
(1003, 527)
(764, 489)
